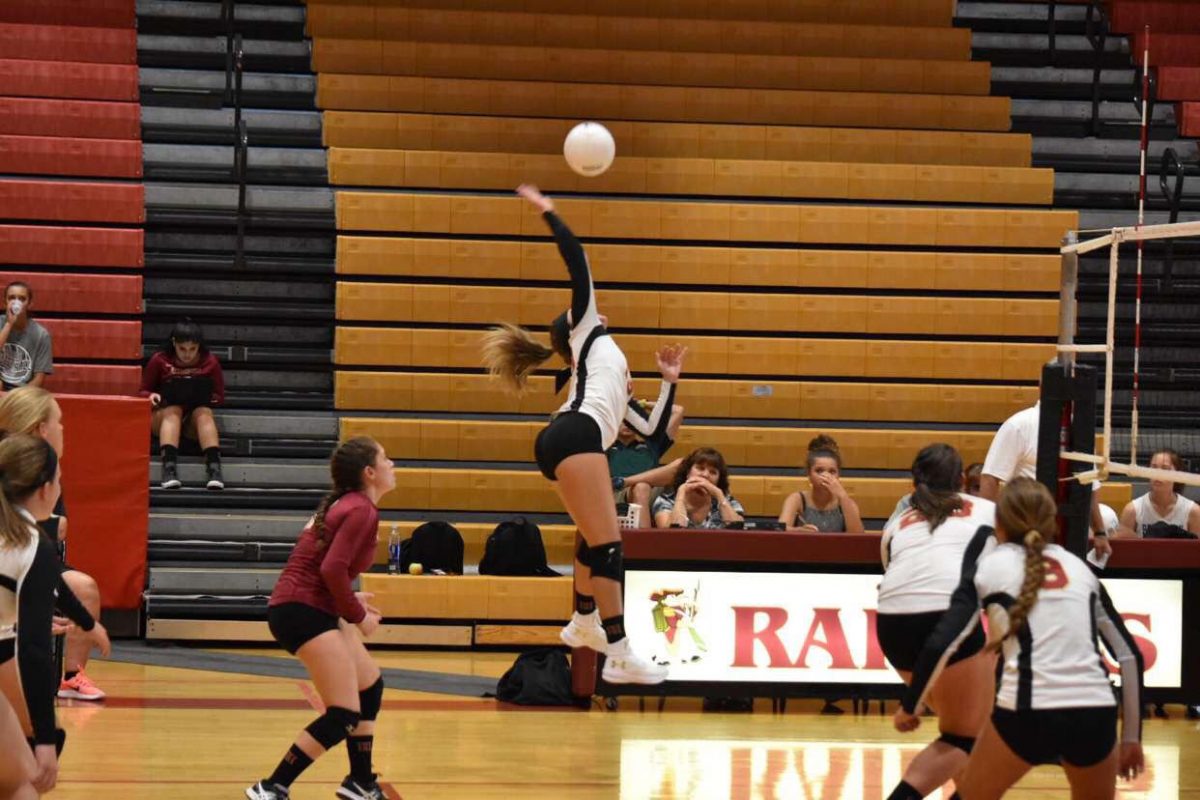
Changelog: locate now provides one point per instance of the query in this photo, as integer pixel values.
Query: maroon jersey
(322, 575)
(162, 370)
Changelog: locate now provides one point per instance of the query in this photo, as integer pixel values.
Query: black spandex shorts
(1079, 737)
(296, 624)
(567, 435)
(903, 635)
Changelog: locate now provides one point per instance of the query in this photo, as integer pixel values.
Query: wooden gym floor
(195, 734)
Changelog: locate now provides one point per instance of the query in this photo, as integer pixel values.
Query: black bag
(515, 548)
(1165, 530)
(434, 545)
(537, 678)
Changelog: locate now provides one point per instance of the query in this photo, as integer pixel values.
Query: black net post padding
(1068, 422)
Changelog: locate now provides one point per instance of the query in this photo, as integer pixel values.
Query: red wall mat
(1168, 49)
(34, 245)
(1132, 16)
(1188, 115)
(90, 13)
(106, 479)
(72, 202)
(68, 43)
(83, 158)
(82, 294)
(1179, 83)
(102, 340)
(96, 379)
(29, 116)
(68, 79)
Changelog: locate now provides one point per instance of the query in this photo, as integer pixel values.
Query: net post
(1068, 309)
(1067, 423)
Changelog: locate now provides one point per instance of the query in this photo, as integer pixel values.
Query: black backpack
(537, 678)
(515, 548)
(434, 545)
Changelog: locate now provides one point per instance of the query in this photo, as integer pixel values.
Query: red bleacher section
(69, 110)
(1174, 50)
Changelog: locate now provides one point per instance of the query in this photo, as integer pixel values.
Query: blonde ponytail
(26, 464)
(511, 354)
(1026, 505)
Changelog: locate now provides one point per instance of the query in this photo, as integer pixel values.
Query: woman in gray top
(828, 507)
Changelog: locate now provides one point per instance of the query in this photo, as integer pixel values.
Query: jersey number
(912, 517)
(1056, 576)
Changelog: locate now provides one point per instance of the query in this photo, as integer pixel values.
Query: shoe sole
(615, 676)
(71, 694)
(348, 795)
(172, 484)
(216, 486)
(577, 642)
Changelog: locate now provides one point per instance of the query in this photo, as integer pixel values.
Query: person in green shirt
(633, 462)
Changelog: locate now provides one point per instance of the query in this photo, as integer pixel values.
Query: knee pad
(333, 726)
(607, 561)
(964, 743)
(370, 700)
(582, 554)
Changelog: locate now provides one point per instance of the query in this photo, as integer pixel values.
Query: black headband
(49, 468)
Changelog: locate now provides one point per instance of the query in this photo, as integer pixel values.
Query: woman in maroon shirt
(314, 610)
(184, 381)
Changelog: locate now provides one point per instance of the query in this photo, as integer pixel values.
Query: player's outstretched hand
(670, 361)
(904, 721)
(1131, 761)
(531, 193)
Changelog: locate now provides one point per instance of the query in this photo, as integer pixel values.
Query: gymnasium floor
(201, 733)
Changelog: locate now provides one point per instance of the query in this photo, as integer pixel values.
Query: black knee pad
(333, 726)
(964, 743)
(370, 700)
(607, 561)
(582, 554)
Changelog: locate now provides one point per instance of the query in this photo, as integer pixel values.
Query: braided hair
(1026, 505)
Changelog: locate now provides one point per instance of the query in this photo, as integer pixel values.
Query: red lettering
(914, 516)
(1056, 576)
(826, 620)
(1149, 651)
(875, 659)
(744, 635)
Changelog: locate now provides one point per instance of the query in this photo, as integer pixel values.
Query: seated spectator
(32, 410)
(699, 495)
(633, 462)
(829, 508)
(1163, 511)
(26, 352)
(972, 476)
(184, 381)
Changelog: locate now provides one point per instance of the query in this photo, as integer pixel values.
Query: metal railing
(235, 57)
(1170, 167)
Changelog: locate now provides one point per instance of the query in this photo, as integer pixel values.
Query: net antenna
(1103, 464)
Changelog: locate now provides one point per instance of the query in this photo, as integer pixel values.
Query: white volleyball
(589, 149)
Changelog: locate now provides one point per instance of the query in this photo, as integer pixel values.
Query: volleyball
(589, 149)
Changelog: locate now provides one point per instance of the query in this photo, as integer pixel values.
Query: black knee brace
(582, 555)
(964, 743)
(333, 726)
(607, 561)
(370, 700)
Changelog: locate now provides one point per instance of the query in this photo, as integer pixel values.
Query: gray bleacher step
(176, 307)
(256, 473)
(1061, 152)
(279, 246)
(215, 126)
(1096, 190)
(1110, 111)
(283, 20)
(1018, 17)
(168, 553)
(259, 378)
(1054, 83)
(242, 528)
(199, 581)
(1104, 219)
(214, 163)
(1040, 43)
(200, 51)
(236, 499)
(231, 335)
(160, 86)
(157, 287)
(309, 208)
(322, 426)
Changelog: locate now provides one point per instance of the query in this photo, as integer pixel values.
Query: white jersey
(1054, 660)
(601, 385)
(923, 567)
(1148, 515)
(15, 563)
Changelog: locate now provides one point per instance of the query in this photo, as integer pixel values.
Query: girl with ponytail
(1054, 703)
(926, 552)
(570, 451)
(29, 488)
(316, 615)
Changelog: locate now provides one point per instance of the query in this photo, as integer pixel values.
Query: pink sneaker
(80, 688)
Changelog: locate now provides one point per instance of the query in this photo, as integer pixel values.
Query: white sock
(591, 618)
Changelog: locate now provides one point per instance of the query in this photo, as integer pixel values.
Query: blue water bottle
(394, 551)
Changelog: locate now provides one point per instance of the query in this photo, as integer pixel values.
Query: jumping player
(314, 611)
(925, 551)
(570, 450)
(1054, 704)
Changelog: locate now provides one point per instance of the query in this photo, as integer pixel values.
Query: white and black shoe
(584, 630)
(170, 475)
(216, 481)
(625, 666)
(353, 790)
(265, 790)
